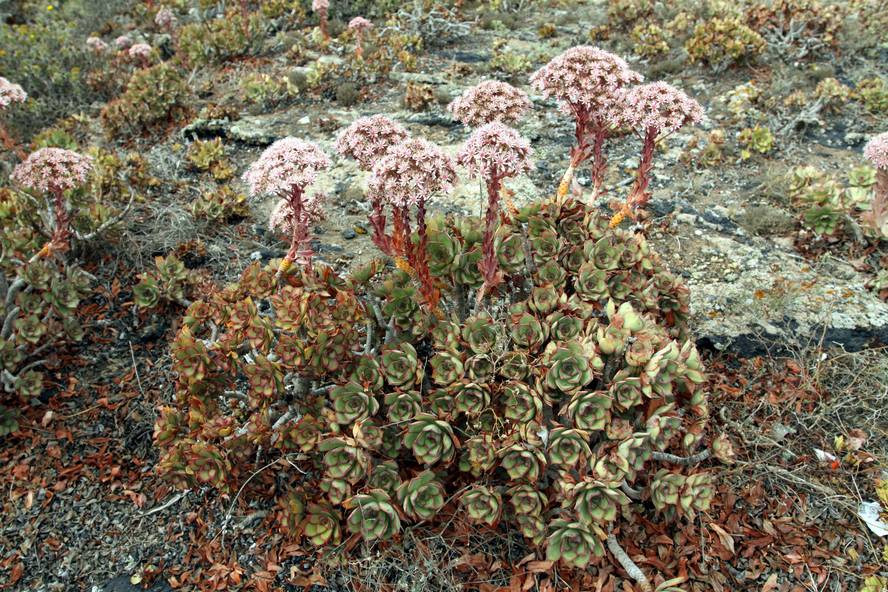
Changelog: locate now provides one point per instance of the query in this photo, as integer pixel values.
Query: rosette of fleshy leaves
(541, 412)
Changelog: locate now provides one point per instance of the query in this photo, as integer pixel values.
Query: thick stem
(489, 266)
(359, 49)
(300, 247)
(377, 221)
(628, 565)
(681, 460)
(322, 14)
(421, 259)
(599, 160)
(10, 144)
(639, 194)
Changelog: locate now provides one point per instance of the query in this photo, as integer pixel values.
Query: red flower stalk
(322, 7)
(359, 25)
(10, 93)
(493, 152)
(55, 171)
(286, 169)
(586, 80)
(654, 111)
(408, 175)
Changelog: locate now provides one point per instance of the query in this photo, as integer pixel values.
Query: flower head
(96, 44)
(123, 42)
(283, 217)
(165, 19)
(53, 169)
(488, 101)
(360, 24)
(584, 79)
(656, 106)
(287, 165)
(495, 150)
(411, 172)
(876, 151)
(140, 51)
(11, 93)
(369, 138)
(320, 5)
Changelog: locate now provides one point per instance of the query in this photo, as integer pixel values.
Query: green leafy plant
(827, 204)
(209, 156)
(758, 140)
(221, 204)
(722, 42)
(167, 282)
(154, 98)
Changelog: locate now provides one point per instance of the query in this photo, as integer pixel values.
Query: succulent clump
(490, 101)
(368, 139)
(548, 409)
(96, 45)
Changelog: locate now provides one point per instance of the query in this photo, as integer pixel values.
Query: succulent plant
(431, 439)
(573, 543)
(561, 387)
(422, 496)
(482, 504)
(352, 403)
(373, 516)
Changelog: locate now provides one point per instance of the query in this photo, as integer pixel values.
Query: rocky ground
(781, 323)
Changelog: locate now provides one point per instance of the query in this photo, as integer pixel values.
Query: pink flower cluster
(411, 172)
(286, 166)
(369, 138)
(283, 218)
(140, 51)
(584, 79)
(360, 24)
(123, 42)
(495, 151)
(11, 93)
(876, 151)
(52, 170)
(657, 106)
(489, 101)
(165, 19)
(95, 44)
(320, 5)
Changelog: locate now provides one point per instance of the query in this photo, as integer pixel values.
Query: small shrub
(510, 62)
(268, 91)
(832, 93)
(649, 40)
(220, 39)
(800, 28)
(222, 204)
(154, 99)
(873, 93)
(167, 283)
(758, 139)
(418, 96)
(723, 42)
(622, 14)
(826, 203)
(209, 156)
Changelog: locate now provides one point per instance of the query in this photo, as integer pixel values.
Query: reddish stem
(377, 221)
(359, 50)
(639, 194)
(10, 144)
(489, 266)
(322, 14)
(599, 160)
(300, 245)
(421, 259)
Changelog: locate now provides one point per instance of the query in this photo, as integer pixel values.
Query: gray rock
(260, 130)
(751, 295)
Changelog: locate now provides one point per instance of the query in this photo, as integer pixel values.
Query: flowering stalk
(54, 171)
(407, 175)
(10, 93)
(377, 221)
(587, 82)
(493, 152)
(359, 25)
(322, 7)
(654, 110)
(286, 169)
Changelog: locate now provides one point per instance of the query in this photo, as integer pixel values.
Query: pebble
(349, 234)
